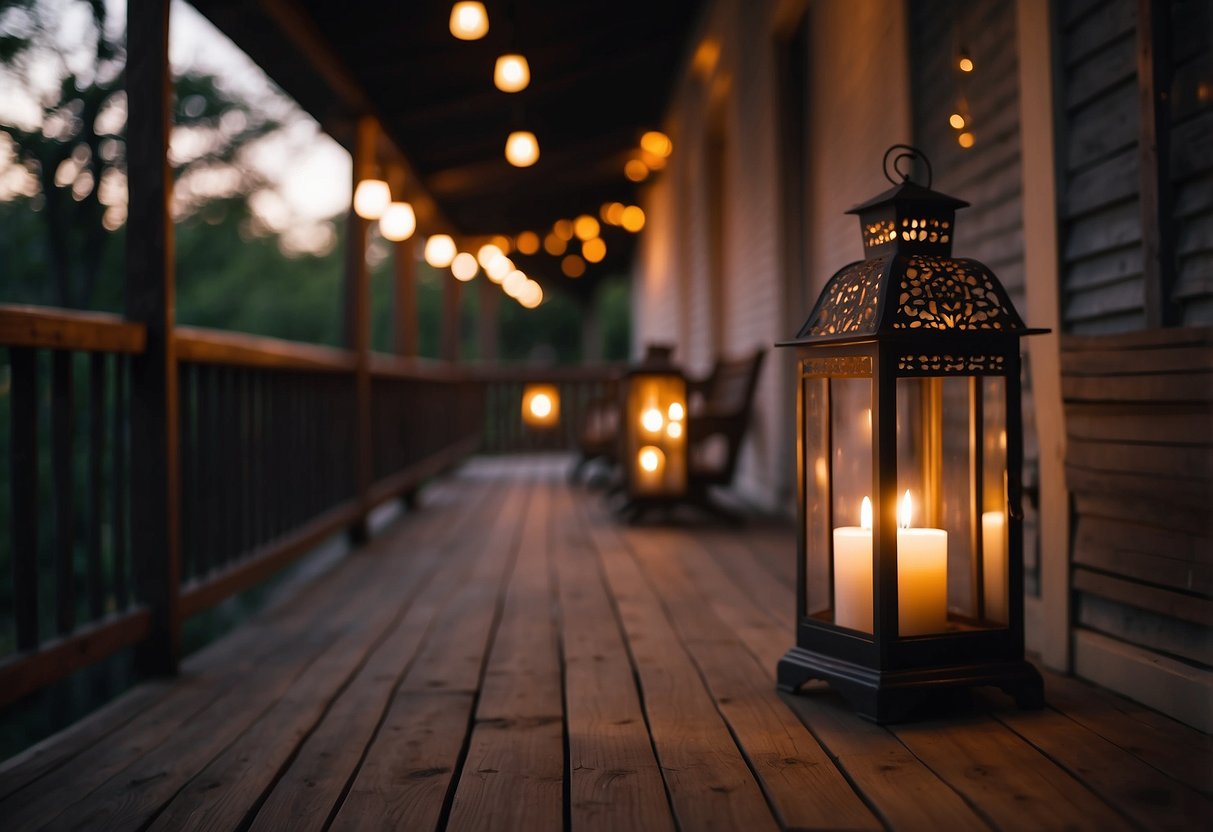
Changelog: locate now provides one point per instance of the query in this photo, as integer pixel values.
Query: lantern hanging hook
(907, 153)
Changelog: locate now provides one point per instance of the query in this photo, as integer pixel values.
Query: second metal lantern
(910, 570)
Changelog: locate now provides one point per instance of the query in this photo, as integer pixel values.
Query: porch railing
(271, 462)
(578, 387)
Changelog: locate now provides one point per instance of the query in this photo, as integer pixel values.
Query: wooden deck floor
(510, 658)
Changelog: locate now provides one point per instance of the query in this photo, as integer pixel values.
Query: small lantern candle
(541, 405)
(909, 392)
(654, 454)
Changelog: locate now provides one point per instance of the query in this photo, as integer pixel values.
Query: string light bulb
(632, 218)
(522, 149)
(964, 62)
(528, 242)
(464, 266)
(440, 251)
(469, 21)
(657, 143)
(636, 170)
(585, 227)
(371, 198)
(398, 222)
(512, 73)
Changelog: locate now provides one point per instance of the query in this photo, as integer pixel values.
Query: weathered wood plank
(65, 329)
(1178, 423)
(614, 780)
(807, 790)
(309, 791)
(359, 666)
(898, 787)
(1007, 780)
(1171, 388)
(513, 773)
(394, 785)
(709, 782)
(1164, 602)
(1158, 459)
(1193, 494)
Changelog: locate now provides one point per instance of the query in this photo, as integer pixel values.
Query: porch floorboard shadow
(511, 657)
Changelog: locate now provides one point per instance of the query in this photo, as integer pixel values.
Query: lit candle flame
(651, 420)
(865, 514)
(905, 511)
(541, 405)
(676, 412)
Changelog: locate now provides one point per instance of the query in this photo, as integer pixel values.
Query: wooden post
(358, 322)
(452, 291)
(489, 331)
(154, 476)
(404, 283)
(1153, 159)
(591, 329)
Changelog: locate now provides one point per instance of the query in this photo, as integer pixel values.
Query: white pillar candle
(922, 576)
(853, 573)
(994, 564)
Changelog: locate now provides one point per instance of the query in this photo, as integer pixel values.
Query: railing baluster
(24, 493)
(96, 494)
(120, 485)
(62, 448)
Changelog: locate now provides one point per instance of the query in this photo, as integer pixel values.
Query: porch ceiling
(601, 74)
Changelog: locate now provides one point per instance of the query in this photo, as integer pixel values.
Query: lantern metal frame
(910, 311)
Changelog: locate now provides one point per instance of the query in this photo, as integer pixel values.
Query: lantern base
(892, 695)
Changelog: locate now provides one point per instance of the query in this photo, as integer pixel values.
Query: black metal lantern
(654, 454)
(910, 569)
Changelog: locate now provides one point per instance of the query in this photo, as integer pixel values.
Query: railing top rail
(211, 346)
(398, 366)
(69, 329)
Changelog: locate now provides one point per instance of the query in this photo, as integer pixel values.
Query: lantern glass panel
(995, 577)
(657, 408)
(815, 411)
(850, 582)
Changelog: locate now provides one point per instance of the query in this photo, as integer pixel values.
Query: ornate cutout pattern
(849, 303)
(848, 365)
(878, 233)
(921, 363)
(924, 230)
(941, 293)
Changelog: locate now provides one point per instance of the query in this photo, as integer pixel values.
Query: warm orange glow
(572, 266)
(522, 149)
(439, 251)
(464, 266)
(469, 21)
(706, 56)
(956, 120)
(502, 242)
(554, 245)
(612, 213)
(676, 411)
(965, 63)
(371, 198)
(965, 140)
(487, 254)
(398, 222)
(632, 218)
(657, 143)
(905, 511)
(674, 430)
(585, 227)
(652, 420)
(563, 229)
(514, 283)
(540, 405)
(498, 268)
(527, 242)
(593, 250)
(650, 458)
(531, 295)
(636, 170)
(512, 73)
(652, 161)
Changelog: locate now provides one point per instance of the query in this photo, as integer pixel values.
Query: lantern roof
(908, 284)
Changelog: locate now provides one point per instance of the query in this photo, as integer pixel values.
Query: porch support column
(404, 281)
(357, 309)
(452, 293)
(154, 474)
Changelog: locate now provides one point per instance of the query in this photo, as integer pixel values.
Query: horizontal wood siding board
(1166, 635)
(1106, 183)
(1146, 459)
(1097, 25)
(1171, 387)
(1144, 564)
(1178, 360)
(65, 329)
(1192, 494)
(1150, 339)
(1163, 601)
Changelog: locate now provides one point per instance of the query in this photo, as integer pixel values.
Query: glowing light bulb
(522, 149)
(512, 73)
(469, 21)
(632, 218)
(528, 242)
(487, 254)
(464, 266)
(572, 266)
(956, 120)
(650, 458)
(965, 63)
(563, 229)
(674, 430)
(636, 170)
(676, 411)
(531, 295)
(514, 283)
(440, 251)
(612, 213)
(371, 198)
(554, 245)
(657, 143)
(586, 227)
(398, 222)
(865, 511)
(965, 140)
(652, 420)
(498, 268)
(541, 405)
(594, 250)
